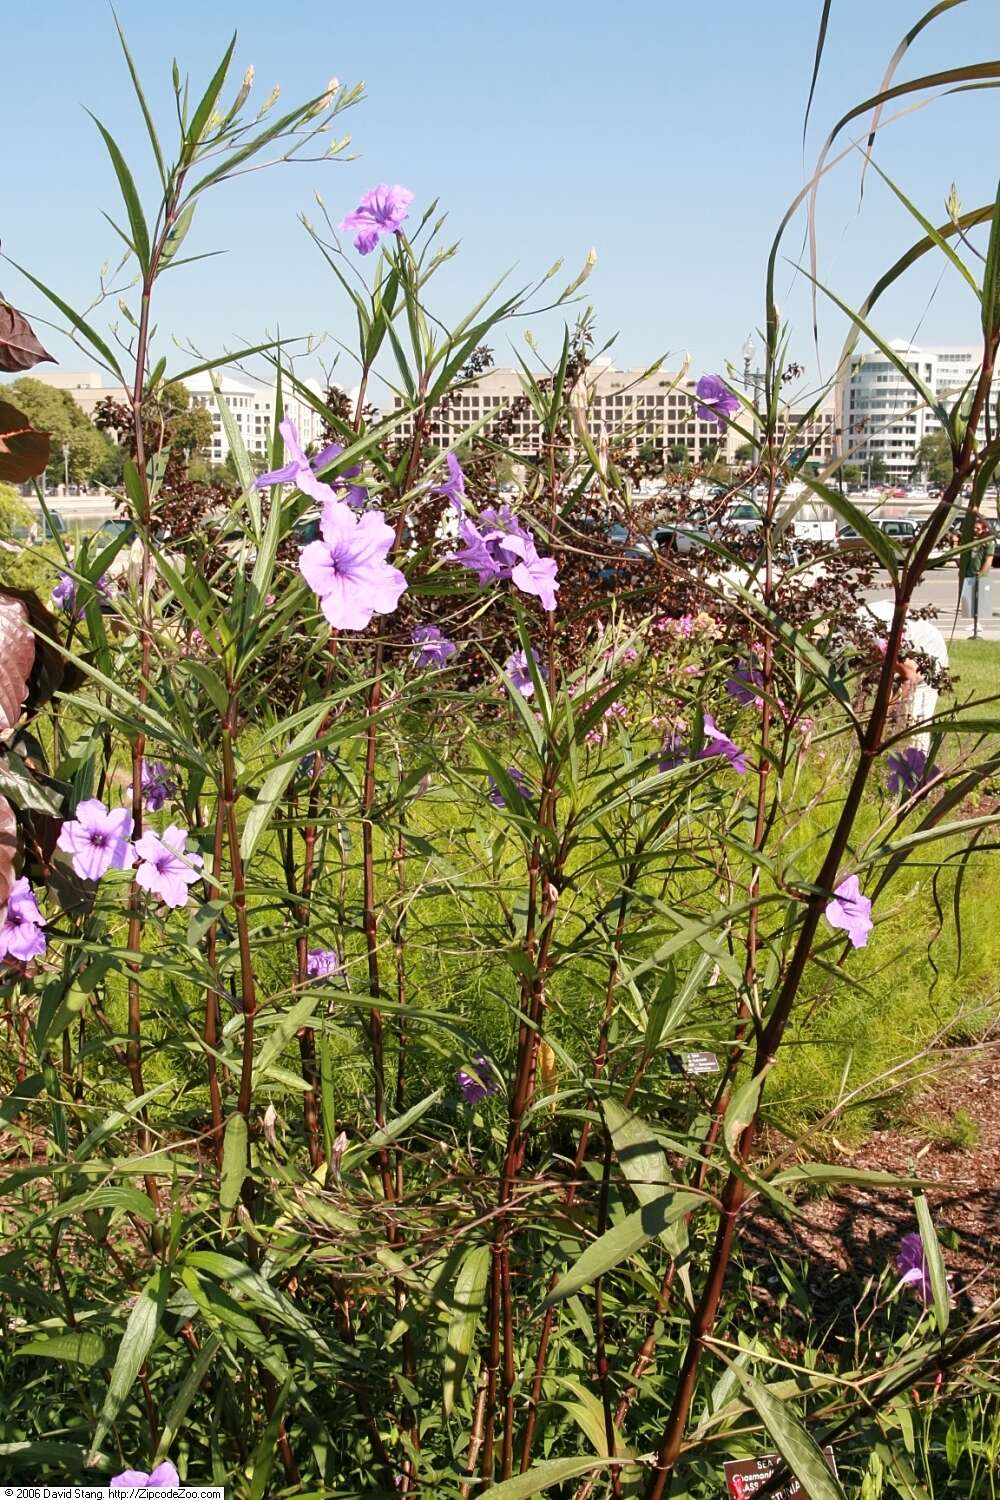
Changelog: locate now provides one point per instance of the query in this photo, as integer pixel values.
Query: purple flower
(166, 868)
(497, 546)
(432, 649)
(717, 402)
(347, 570)
(476, 1081)
(718, 743)
(321, 962)
(303, 472)
(906, 771)
(163, 1477)
(520, 781)
(64, 594)
(743, 684)
(851, 911)
(519, 672)
(675, 751)
(156, 785)
(453, 488)
(98, 839)
(911, 1263)
(537, 575)
(380, 211)
(21, 934)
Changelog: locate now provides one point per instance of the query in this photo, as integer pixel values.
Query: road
(939, 588)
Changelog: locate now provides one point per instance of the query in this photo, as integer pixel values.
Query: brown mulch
(854, 1232)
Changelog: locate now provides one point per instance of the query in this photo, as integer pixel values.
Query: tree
(677, 453)
(744, 453)
(55, 412)
(190, 426)
(932, 460)
(877, 471)
(849, 474)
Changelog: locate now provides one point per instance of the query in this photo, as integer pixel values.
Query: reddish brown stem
(773, 1032)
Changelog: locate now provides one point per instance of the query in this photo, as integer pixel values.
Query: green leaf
(80, 1348)
(133, 207)
(61, 1454)
(116, 1196)
(467, 1303)
(264, 1455)
(622, 1240)
(639, 1153)
(211, 682)
(137, 1340)
(550, 1472)
(234, 1164)
(824, 22)
(859, 519)
(154, 140)
(935, 1262)
(797, 1448)
(393, 1131)
(282, 1032)
(93, 338)
(991, 276)
(206, 104)
(20, 1096)
(21, 788)
(818, 1171)
(185, 1395)
(276, 783)
(742, 1110)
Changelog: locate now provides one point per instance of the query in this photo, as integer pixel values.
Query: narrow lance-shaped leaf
(935, 1262)
(137, 1340)
(234, 1164)
(626, 1238)
(467, 1305)
(797, 1448)
(130, 196)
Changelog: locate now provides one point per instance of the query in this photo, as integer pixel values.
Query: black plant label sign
(747, 1477)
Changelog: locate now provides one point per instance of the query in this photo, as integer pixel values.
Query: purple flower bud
(520, 781)
(476, 1082)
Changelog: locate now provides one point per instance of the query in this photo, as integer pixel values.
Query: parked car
(899, 531)
(110, 531)
(743, 516)
(44, 531)
(683, 537)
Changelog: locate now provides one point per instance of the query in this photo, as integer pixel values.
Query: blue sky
(666, 135)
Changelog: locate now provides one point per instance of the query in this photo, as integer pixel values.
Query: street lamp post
(65, 453)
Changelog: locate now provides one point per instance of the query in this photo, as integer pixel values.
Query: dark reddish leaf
(51, 671)
(19, 349)
(17, 657)
(8, 848)
(24, 452)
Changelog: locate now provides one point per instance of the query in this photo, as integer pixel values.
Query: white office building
(882, 416)
(252, 408)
